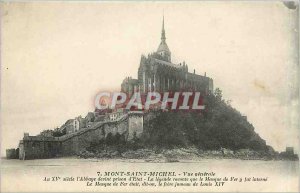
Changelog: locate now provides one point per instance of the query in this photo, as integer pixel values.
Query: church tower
(163, 48)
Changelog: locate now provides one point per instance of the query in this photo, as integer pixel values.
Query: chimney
(194, 71)
(205, 74)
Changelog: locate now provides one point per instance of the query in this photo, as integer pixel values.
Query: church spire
(163, 33)
(163, 49)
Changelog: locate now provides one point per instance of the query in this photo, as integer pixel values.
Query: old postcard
(150, 96)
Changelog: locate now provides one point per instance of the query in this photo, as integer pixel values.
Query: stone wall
(135, 125)
(33, 147)
(12, 153)
(83, 139)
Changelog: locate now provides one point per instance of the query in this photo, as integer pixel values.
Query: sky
(56, 56)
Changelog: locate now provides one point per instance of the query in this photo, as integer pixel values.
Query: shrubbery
(219, 125)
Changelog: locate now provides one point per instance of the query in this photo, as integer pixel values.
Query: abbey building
(157, 73)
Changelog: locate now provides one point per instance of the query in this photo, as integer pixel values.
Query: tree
(218, 94)
(219, 125)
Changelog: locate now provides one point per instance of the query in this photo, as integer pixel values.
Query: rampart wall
(34, 147)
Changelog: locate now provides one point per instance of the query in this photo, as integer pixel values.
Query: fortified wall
(128, 126)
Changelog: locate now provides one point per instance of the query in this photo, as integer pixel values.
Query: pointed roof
(163, 45)
(163, 33)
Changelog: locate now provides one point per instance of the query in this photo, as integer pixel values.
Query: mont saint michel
(218, 131)
(149, 96)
